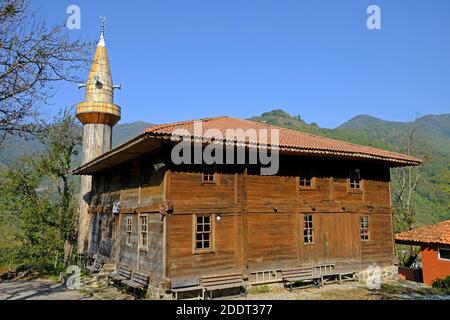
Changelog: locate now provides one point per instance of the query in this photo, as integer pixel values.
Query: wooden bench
(340, 275)
(97, 266)
(186, 285)
(324, 269)
(138, 283)
(291, 276)
(220, 282)
(122, 273)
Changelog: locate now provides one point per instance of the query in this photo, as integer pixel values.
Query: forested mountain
(431, 142)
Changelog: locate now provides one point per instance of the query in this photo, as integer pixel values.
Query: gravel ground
(393, 290)
(37, 290)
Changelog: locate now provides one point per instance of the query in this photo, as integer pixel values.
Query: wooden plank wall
(262, 218)
(136, 198)
(261, 225)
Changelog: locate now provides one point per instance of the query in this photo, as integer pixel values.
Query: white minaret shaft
(98, 114)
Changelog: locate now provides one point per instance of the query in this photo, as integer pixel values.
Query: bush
(260, 289)
(442, 284)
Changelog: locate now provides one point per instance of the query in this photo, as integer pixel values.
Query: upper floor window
(107, 183)
(203, 233)
(143, 236)
(209, 174)
(306, 178)
(444, 254)
(146, 173)
(125, 177)
(129, 229)
(364, 228)
(355, 179)
(308, 228)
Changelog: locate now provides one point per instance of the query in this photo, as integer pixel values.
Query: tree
(33, 57)
(39, 192)
(404, 182)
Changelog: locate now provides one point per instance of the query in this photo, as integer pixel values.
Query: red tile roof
(433, 234)
(290, 140)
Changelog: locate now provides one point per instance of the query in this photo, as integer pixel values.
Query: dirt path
(37, 290)
(394, 290)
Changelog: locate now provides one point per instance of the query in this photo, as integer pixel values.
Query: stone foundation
(387, 272)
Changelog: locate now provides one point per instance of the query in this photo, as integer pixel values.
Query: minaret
(98, 114)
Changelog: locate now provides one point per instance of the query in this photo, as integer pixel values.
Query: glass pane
(444, 254)
(206, 244)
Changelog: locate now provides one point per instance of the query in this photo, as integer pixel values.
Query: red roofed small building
(434, 242)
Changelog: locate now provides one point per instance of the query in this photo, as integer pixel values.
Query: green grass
(260, 289)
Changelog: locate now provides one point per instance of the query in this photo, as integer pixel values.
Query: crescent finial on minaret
(102, 32)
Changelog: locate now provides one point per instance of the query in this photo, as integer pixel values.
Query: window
(364, 228)
(143, 236)
(209, 174)
(308, 229)
(306, 178)
(104, 230)
(444, 254)
(203, 233)
(129, 231)
(355, 179)
(146, 174)
(125, 177)
(107, 183)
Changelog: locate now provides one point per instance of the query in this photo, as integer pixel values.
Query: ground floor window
(129, 229)
(308, 229)
(203, 237)
(143, 236)
(104, 230)
(364, 228)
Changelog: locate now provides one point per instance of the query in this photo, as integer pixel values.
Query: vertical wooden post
(246, 270)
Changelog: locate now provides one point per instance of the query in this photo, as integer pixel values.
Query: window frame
(103, 230)
(212, 219)
(357, 181)
(364, 227)
(128, 232)
(304, 177)
(146, 173)
(143, 247)
(213, 169)
(439, 254)
(308, 231)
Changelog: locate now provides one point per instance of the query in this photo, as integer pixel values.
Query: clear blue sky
(180, 60)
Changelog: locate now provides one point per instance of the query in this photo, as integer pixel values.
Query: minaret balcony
(98, 112)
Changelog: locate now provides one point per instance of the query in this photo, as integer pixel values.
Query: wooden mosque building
(328, 203)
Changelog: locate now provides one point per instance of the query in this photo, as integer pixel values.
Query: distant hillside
(431, 142)
(15, 147)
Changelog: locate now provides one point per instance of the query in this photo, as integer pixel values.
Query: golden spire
(98, 106)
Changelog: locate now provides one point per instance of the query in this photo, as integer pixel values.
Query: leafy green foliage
(442, 284)
(37, 203)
